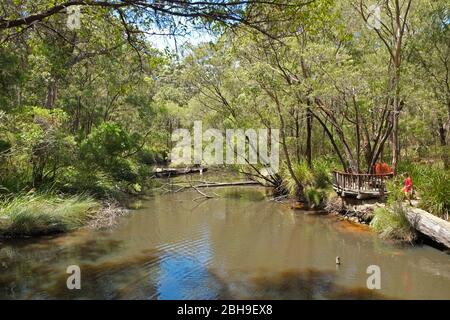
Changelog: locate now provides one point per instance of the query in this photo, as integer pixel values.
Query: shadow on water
(120, 278)
(243, 194)
(238, 246)
(27, 269)
(152, 274)
(305, 284)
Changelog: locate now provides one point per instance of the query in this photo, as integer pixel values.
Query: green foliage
(124, 169)
(391, 223)
(37, 147)
(316, 181)
(432, 186)
(4, 146)
(314, 196)
(150, 157)
(303, 173)
(435, 194)
(395, 188)
(80, 180)
(322, 173)
(29, 215)
(108, 149)
(418, 172)
(105, 143)
(11, 75)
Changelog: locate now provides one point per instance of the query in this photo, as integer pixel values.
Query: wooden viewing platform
(360, 185)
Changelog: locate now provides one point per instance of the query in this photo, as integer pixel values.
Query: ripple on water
(234, 247)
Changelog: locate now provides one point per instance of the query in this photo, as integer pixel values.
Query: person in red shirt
(408, 188)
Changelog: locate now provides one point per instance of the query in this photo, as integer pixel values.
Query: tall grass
(303, 173)
(435, 194)
(316, 197)
(316, 181)
(322, 173)
(432, 185)
(29, 215)
(391, 223)
(395, 187)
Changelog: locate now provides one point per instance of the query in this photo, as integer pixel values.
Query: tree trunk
(51, 95)
(395, 140)
(298, 183)
(443, 142)
(309, 119)
(430, 225)
(396, 110)
(297, 136)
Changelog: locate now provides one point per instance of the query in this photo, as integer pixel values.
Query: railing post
(373, 184)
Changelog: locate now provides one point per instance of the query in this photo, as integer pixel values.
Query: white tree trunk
(430, 225)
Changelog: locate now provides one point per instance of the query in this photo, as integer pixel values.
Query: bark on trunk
(430, 225)
(309, 119)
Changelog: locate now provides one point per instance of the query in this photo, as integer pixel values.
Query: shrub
(391, 223)
(147, 157)
(316, 181)
(151, 157)
(303, 173)
(314, 196)
(435, 194)
(108, 150)
(4, 146)
(80, 179)
(105, 143)
(395, 188)
(322, 173)
(124, 170)
(41, 144)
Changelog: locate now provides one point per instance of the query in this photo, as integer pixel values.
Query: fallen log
(430, 225)
(227, 184)
(173, 172)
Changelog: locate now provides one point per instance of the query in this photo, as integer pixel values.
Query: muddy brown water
(238, 246)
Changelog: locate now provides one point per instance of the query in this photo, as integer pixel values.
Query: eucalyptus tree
(392, 30)
(429, 61)
(312, 70)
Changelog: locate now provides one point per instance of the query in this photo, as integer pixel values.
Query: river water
(237, 246)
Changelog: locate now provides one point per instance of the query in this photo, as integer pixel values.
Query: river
(237, 246)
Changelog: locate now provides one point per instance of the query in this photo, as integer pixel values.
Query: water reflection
(238, 246)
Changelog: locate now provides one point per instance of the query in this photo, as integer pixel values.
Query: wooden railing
(360, 183)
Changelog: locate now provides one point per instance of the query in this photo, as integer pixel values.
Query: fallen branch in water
(183, 185)
(204, 195)
(107, 216)
(227, 184)
(279, 198)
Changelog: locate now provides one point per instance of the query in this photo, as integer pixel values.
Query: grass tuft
(30, 215)
(391, 223)
(432, 185)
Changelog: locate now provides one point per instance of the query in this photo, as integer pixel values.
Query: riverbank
(43, 214)
(395, 221)
(39, 213)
